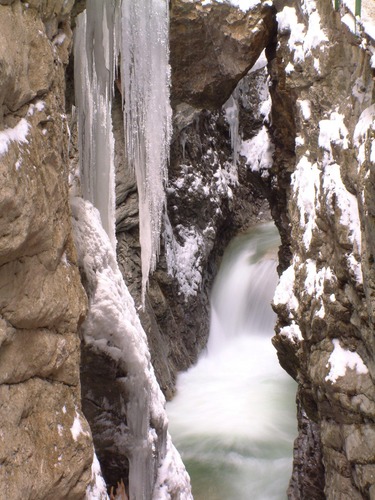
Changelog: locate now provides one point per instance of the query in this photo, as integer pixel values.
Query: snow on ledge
(366, 20)
(243, 5)
(333, 131)
(340, 360)
(16, 134)
(302, 39)
(292, 332)
(258, 152)
(305, 182)
(284, 293)
(97, 490)
(76, 429)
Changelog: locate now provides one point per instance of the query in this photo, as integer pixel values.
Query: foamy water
(233, 419)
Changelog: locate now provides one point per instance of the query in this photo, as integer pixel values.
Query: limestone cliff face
(323, 112)
(42, 453)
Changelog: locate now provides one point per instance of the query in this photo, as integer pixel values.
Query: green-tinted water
(233, 419)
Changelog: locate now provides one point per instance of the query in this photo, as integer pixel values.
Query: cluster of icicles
(127, 42)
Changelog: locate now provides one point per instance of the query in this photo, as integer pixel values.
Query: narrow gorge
(137, 139)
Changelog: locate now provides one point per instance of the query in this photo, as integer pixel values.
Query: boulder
(212, 47)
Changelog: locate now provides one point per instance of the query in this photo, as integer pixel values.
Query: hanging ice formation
(145, 78)
(112, 326)
(136, 34)
(94, 63)
(231, 114)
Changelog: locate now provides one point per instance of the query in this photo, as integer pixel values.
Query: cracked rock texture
(42, 300)
(212, 47)
(323, 125)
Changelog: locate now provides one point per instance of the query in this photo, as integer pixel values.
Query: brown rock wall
(213, 47)
(42, 300)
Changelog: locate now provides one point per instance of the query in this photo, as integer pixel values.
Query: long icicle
(145, 76)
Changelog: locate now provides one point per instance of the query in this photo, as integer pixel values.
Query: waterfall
(233, 419)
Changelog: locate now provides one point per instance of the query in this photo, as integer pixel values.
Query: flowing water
(233, 419)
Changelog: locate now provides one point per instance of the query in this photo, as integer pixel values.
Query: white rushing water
(233, 419)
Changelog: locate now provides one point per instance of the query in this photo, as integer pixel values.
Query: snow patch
(305, 181)
(226, 176)
(299, 141)
(284, 293)
(59, 39)
(305, 106)
(365, 123)
(314, 283)
(184, 259)
(16, 134)
(289, 68)
(260, 63)
(169, 476)
(301, 41)
(333, 131)
(349, 20)
(97, 490)
(292, 332)
(340, 360)
(259, 151)
(244, 5)
(77, 429)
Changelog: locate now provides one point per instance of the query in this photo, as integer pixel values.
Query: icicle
(145, 76)
(94, 55)
(231, 114)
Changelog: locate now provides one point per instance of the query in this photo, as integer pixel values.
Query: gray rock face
(42, 300)
(324, 90)
(320, 190)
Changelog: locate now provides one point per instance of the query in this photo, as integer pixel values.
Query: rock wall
(45, 443)
(323, 119)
